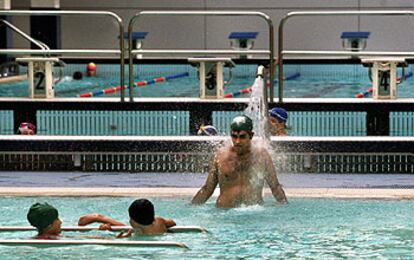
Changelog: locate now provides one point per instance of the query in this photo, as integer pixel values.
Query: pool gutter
(342, 193)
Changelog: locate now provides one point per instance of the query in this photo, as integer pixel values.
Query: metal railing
(38, 43)
(269, 52)
(190, 154)
(282, 52)
(43, 51)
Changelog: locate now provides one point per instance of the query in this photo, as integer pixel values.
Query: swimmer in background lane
(207, 130)
(45, 218)
(91, 70)
(26, 129)
(77, 75)
(277, 121)
(240, 170)
(142, 219)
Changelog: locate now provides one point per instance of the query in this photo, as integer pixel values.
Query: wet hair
(142, 212)
(77, 75)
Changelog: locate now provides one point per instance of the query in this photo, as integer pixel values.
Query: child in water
(45, 218)
(142, 219)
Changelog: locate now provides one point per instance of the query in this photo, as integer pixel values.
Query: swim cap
(279, 113)
(142, 211)
(91, 66)
(208, 130)
(42, 215)
(26, 126)
(91, 70)
(241, 123)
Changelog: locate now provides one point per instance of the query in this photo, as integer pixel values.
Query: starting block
(354, 41)
(40, 76)
(383, 74)
(211, 75)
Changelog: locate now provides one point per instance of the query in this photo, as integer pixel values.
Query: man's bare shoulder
(162, 224)
(223, 151)
(260, 150)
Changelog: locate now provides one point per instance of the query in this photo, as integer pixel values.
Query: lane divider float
(136, 84)
(247, 90)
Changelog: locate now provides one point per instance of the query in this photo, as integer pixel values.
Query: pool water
(305, 228)
(326, 81)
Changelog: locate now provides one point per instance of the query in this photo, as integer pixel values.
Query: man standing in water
(240, 170)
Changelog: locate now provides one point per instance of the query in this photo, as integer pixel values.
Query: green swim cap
(42, 215)
(242, 123)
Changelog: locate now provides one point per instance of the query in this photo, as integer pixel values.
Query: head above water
(207, 130)
(279, 113)
(142, 212)
(41, 215)
(242, 123)
(27, 128)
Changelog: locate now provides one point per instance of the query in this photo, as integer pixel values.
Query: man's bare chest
(237, 168)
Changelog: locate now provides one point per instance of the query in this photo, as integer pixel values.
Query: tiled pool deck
(349, 193)
(361, 186)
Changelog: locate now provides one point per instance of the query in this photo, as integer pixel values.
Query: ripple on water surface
(305, 228)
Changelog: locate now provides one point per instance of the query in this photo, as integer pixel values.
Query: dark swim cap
(77, 75)
(42, 215)
(142, 212)
(242, 123)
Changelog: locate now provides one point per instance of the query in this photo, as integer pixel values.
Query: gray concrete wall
(310, 33)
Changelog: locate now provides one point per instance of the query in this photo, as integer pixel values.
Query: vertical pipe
(271, 65)
(131, 63)
(122, 60)
(280, 57)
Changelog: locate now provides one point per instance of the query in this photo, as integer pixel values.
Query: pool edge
(348, 193)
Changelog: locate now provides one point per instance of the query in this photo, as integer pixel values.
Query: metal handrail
(62, 51)
(65, 51)
(198, 52)
(352, 53)
(281, 52)
(38, 43)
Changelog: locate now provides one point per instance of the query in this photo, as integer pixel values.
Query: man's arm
(272, 181)
(207, 190)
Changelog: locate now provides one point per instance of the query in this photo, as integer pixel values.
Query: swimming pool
(305, 228)
(315, 81)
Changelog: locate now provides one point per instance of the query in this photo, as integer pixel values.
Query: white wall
(310, 33)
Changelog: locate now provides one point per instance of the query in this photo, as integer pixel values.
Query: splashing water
(256, 108)
(257, 111)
